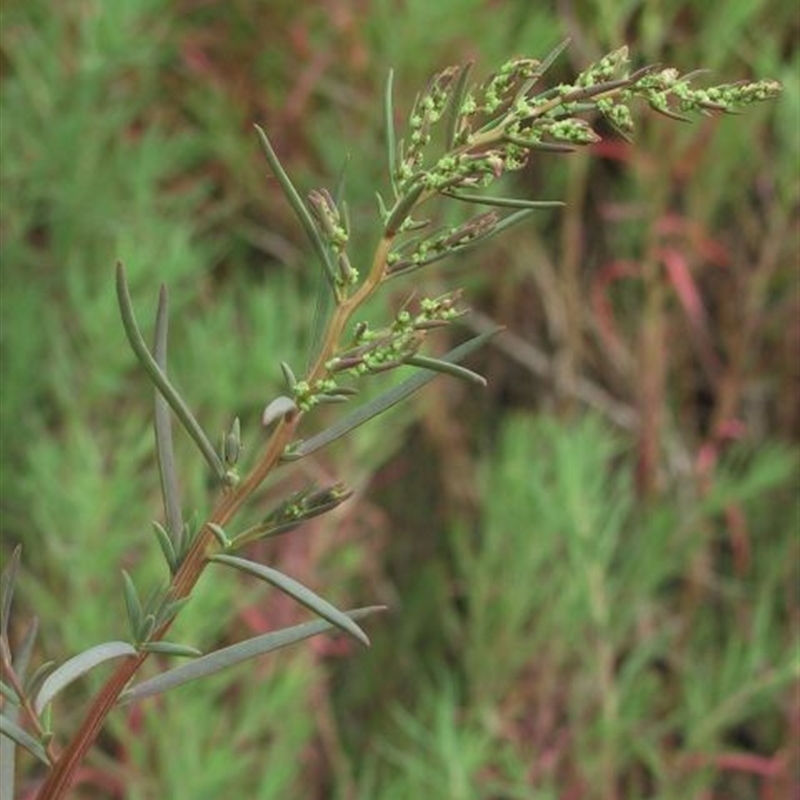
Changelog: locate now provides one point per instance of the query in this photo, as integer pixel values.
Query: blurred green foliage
(612, 614)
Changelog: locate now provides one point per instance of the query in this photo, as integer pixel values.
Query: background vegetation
(592, 565)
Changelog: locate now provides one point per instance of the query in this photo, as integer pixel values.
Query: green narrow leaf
(447, 368)
(219, 534)
(8, 747)
(160, 380)
(133, 605)
(388, 121)
(41, 672)
(19, 735)
(299, 207)
(504, 202)
(551, 57)
(323, 303)
(235, 654)
(23, 655)
(401, 209)
(296, 590)
(9, 693)
(167, 547)
(508, 221)
(169, 609)
(77, 666)
(8, 760)
(384, 401)
(454, 105)
(7, 581)
(172, 649)
(288, 375)
(165, 450)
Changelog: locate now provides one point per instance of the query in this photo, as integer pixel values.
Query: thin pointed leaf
(163, 429)
(505, 202)
(338, 189)
(167, 546)
(544, 147)
(454, 105)
(288, 375)
(77, 666)
(7, 581)
(388, 121)
(296, 590)
(8, 692)
(401, 209)
(383, 212)
(19, 735)
(384, 401)
(508, 221)
(323, 303)
(8, 746)
(298, 206)
(446, 367)
(133, 605)
(8, 758)
(219, 534)
(264, 532)
(172, 649)
(169, 609)
(235, 654)
(551, 57)
(38, 677)
(23, 655)
(160, 380)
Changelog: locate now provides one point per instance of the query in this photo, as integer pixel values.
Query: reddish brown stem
(62, 774)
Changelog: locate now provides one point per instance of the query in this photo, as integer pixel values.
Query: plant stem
(345, 310)
(61, 776)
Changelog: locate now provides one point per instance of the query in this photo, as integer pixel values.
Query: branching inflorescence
(459, 140)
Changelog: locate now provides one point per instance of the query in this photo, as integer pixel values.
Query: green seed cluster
(442, 243)
(669, 93)
(427, 111)
(727, 97)
(499, 90)
(608, 68)
(307, 395)
(330, 219)
(379, 350)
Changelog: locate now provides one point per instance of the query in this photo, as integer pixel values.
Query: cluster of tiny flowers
(571, 130)
(497, 92)
(428, 110)
(334, 228)
(307, 395)
(606, 69)
(442, 243)
(306, 503)
(666, 91)
(618, 114)
(727, 97)
(376, 351)
(478, 169)
(330, 220)
(434, 311)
